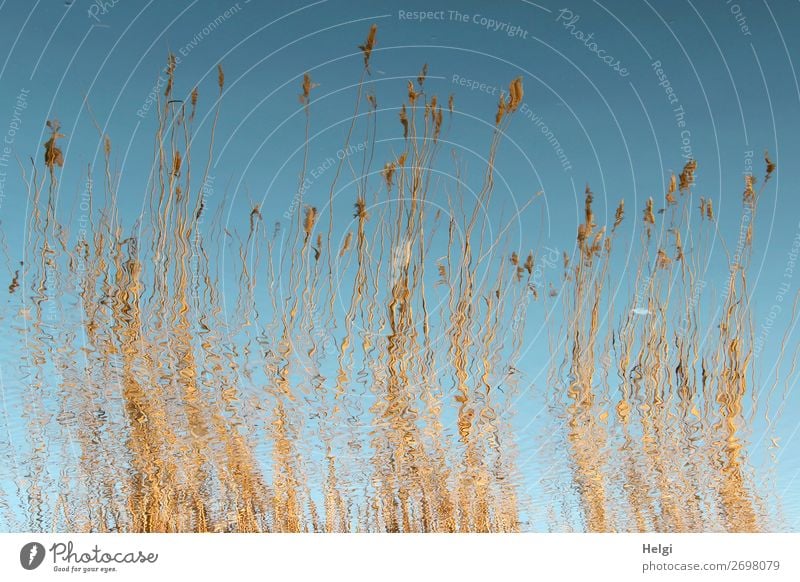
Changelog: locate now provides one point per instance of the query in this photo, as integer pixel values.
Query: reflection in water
(369, 384)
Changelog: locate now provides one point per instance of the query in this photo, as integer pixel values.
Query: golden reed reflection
(371, 384)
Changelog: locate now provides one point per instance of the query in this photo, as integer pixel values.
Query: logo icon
(31, 555)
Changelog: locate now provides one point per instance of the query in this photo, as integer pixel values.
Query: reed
(365, 406)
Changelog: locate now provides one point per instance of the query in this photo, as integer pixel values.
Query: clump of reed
(320, 405)
(678, 406)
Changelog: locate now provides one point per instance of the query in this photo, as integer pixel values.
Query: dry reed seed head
(430, 108)
(372, 100)
(423, 73)
(348, 240)
(404, 120)
(662, 260)
(176, 163)
(401, 161)
(368, 45)
(590, 224)
(442, 273)
(770, 165)
(308, 84)
(310, 220)
(53, 156)
(412, 94)
(619, 215)
(598, 237)
(437, 123)
(671, 191)
(193, 103)
(582, 234)
(529, 263)
(220, 77)
(501, 111)
(107, 145)
(388, 174)
(14, 285)
(687, 175)
(514, 259)
(450, 102)
(361, 209)
(170, 74)
(515, 93)
(709, 209)
(678, 245)
(702, 207)
(649, 217)
(565, 259)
